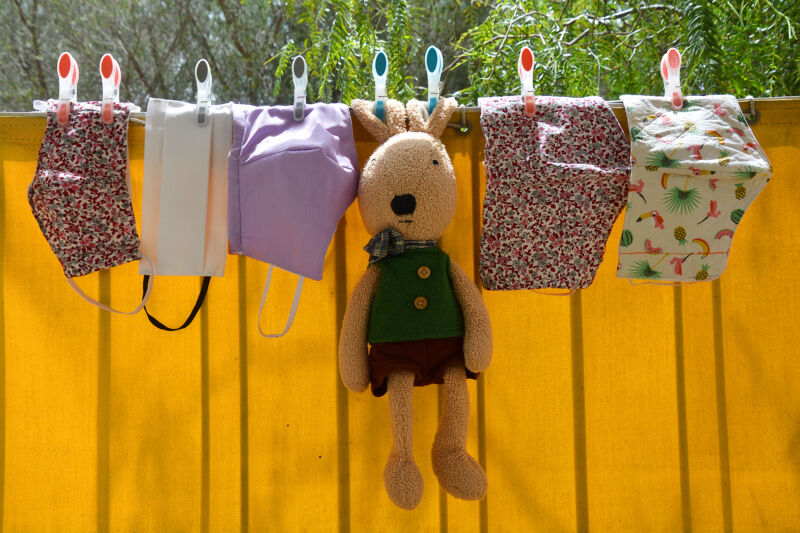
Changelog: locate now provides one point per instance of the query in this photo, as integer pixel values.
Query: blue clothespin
(300, 78)
(433, 64)
(380, 67)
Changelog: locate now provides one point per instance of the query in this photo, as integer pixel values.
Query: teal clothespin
(380, 66)
(433, 64)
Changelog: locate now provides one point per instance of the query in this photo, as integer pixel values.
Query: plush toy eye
(435, 162)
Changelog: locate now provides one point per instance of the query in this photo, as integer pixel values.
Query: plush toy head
(408, 182)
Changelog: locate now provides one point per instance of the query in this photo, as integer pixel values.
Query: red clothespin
(671, 74)
(111, 75)
(68, 75)
(525, 70)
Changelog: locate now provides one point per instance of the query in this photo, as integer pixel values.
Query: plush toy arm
(353, 362)
(477, 326)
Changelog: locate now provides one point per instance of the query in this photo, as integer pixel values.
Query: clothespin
(433, 64)
(68, 75)
(380, 66)
(671, 73)
(300, 78)
(202, 75)
(525, 70)
(111, 75)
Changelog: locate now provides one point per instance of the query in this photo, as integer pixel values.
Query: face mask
(555, 183)
(80, 194)
(695, 172)
(289, 184)
(185, 195)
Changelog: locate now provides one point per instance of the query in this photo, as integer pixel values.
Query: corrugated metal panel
(618, 409)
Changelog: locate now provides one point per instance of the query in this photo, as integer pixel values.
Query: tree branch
(31, 27)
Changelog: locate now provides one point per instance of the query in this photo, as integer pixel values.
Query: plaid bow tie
(391, 241)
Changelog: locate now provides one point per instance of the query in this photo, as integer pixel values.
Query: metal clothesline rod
(614, 104)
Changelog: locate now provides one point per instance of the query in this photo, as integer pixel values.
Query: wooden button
(424, 272)
(421, 302)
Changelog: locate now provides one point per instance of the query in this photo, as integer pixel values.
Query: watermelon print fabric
(80, 194)
(555, 183)
(695, 173)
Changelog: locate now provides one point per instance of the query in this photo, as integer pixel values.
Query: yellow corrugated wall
(618, 409)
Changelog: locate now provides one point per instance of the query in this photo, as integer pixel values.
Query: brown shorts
(427, 359)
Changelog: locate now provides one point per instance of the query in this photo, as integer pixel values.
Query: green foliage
(582, 47)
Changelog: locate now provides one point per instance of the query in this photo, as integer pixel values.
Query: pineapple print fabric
(694, 173)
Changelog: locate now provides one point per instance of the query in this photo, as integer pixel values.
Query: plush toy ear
(418, 119)
(395, 118)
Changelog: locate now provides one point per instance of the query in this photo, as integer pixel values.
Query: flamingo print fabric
(695, 172)
(555, 183)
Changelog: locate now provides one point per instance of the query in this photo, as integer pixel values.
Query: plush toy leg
(458, 473)
(401, 476)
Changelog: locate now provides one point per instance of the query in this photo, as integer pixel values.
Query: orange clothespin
(68, 75)
(111, 75)
(671, 74)
(525, 70)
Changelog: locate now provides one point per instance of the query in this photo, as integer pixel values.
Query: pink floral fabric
(80, 194)
(555, 183)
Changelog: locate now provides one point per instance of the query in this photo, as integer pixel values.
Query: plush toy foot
(458, 473)
(403, 480)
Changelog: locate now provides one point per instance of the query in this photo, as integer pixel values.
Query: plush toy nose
(404, 204)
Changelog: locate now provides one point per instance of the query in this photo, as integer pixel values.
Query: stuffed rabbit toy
(422, 316)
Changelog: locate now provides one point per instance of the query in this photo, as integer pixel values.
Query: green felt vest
(394, 316)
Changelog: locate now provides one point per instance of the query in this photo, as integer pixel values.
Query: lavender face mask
(289, 183)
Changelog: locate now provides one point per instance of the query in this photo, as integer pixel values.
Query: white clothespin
(525, 70)
(300, 78)
(68, 75)
(380, 67)
(202, 75)
(433, 64)
(671, 73)
(111, 76)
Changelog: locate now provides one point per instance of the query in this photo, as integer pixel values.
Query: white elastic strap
(107, 308)
(569, 292)
(663, 283)
(292, 311)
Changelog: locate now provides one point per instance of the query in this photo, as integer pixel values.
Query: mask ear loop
(665, 283)
(295, 303)
(569, 292)
(107, 308)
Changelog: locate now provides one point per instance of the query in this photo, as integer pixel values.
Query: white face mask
(185, 190)
(185, 193)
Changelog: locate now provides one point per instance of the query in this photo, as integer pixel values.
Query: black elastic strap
(197, 305)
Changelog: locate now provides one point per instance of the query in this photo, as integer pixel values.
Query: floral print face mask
(555, 183)
(80, 194)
